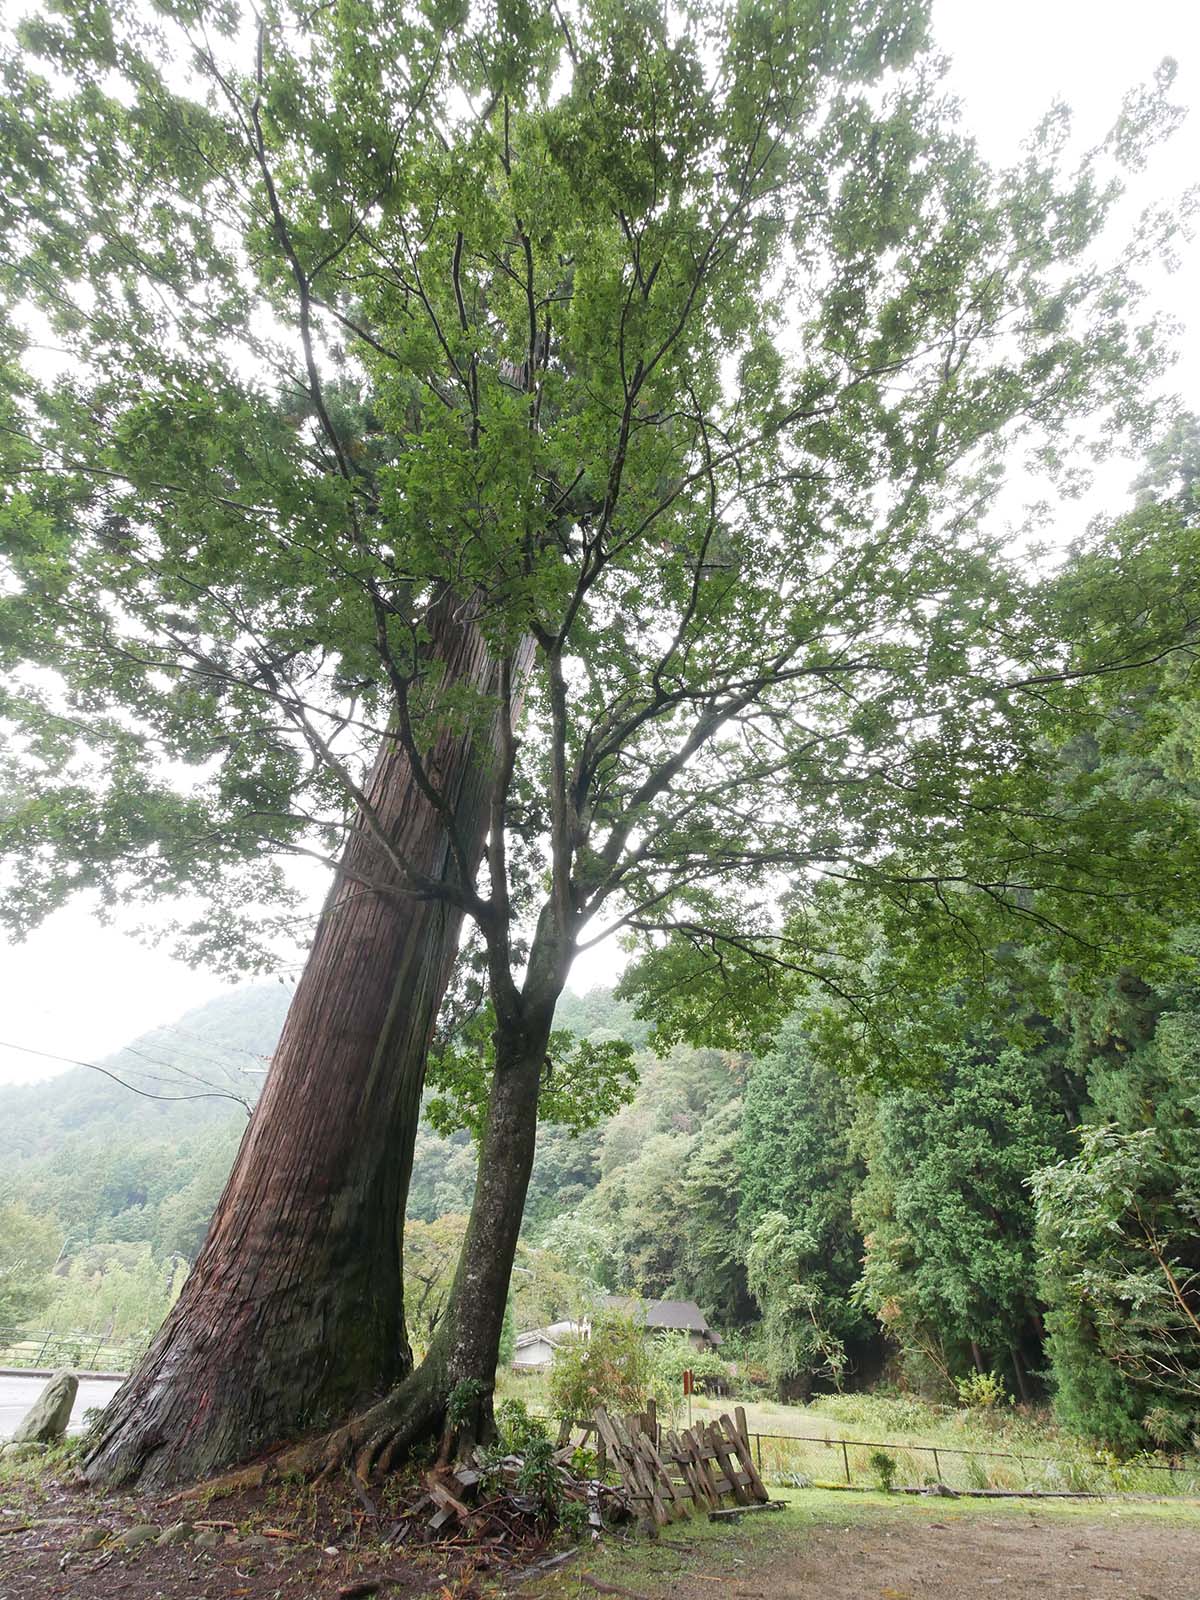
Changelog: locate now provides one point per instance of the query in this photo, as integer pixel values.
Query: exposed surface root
(240, 1480)
(375, 1441)
(371, 1444)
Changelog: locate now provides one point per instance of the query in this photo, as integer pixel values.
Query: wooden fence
(824, 1458)
(668, 1474)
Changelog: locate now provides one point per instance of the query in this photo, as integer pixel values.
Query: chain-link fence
(822, 1460)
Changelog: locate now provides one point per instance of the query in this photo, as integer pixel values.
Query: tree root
(394, 1428)
(370, 1444)
(251, 1477)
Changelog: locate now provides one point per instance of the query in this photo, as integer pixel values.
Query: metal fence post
(846, 1460)
(937, 1465)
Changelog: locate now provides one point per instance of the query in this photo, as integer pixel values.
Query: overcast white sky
(80, 990)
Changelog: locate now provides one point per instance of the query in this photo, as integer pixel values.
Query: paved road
(18, 1394)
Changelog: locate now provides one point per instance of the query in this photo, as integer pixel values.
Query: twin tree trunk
(451, 1391)
(294, 1313)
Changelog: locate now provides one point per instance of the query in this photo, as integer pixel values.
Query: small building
(534, 1350)
(667, 1316)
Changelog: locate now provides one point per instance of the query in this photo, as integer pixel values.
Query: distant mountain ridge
(111, 1164)
(202, 1065)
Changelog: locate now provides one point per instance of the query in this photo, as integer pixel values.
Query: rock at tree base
(46, 1420)
(141, 1533)
(177, 1533)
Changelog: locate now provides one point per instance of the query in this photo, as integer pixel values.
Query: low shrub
(614, 1368)
(674, 1355)
(884, 1467)
(516, 1430)
(982, 1391)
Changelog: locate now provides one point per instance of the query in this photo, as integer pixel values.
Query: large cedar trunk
(465, 1349)
(293, 1314)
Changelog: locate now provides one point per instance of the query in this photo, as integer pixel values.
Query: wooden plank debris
(736, 1513)
(646, 1471)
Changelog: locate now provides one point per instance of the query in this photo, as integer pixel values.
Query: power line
(175, 1067)
(147, 1094)
(176, 1031)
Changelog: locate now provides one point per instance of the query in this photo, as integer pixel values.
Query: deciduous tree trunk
(293, 1314)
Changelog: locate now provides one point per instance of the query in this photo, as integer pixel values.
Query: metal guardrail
(50, 1348)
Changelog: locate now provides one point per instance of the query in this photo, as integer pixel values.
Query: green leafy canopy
(680, 352)
(584, 1080)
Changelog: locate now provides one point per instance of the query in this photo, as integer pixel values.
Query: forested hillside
(138, 1151)
(1001, 1219)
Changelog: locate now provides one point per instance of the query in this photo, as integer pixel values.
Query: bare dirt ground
(297, 1543)
(966, 1561)
(827, 1547)
(293, 1543)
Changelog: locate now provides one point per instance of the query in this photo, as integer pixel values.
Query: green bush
(884, 1467)
(519, 1434)
(673, 1355)
(540, 1478)
(613, 1367)
(982, 1391)
(516, 1430)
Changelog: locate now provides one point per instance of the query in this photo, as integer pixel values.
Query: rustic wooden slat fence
(669, 1473)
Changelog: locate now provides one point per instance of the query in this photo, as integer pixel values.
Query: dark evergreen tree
(798, 1160)
(1119, 1234)
(947, 1215)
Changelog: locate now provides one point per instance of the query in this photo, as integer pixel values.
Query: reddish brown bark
(293, 1313)
(466, 1345)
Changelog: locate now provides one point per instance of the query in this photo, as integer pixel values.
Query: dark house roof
(675, 1316)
